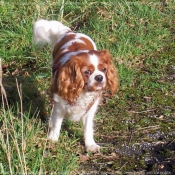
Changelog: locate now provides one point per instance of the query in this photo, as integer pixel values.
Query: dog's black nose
(99, 78)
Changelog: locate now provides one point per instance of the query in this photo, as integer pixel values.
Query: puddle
(157, 156)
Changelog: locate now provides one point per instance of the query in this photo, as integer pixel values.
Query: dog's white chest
(77, 110)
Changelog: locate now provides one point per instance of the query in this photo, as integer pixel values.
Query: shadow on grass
(32, 101)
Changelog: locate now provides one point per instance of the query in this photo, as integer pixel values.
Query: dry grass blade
(41, 161)
(62, 10)
(4, 145)
(22, 121)
(2, 87)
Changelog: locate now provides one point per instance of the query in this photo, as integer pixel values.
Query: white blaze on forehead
(94, 60)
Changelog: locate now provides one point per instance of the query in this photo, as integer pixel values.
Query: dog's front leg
(88, 129)
(55, 122)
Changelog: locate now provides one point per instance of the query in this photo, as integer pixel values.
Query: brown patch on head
(86, 66)
(111, 71)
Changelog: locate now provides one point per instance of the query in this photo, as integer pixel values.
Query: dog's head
(87, 71)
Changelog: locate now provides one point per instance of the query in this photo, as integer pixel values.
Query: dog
(80, 73)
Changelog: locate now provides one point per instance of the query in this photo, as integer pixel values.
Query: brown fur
(111, 74)
(70, 81)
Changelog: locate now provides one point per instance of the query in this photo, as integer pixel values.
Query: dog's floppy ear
(111, 74)
(70, 81)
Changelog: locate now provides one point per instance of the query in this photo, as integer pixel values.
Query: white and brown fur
(79, 75)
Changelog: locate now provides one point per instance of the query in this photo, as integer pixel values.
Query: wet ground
(157, 157)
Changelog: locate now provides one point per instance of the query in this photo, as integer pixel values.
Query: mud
(157, 156)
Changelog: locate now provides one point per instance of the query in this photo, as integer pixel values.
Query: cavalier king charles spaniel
(80, 73)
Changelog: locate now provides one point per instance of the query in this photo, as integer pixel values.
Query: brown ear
(70, 81)
(112, 75)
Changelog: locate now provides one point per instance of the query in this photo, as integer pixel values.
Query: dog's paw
(93, 148)
(53, 136)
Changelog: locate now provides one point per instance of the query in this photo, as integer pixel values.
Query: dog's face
(94, 72)
(87, 71)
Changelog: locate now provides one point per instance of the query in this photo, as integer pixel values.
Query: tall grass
(24, 148)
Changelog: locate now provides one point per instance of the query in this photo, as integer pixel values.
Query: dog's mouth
(100, 86)
(94, 87)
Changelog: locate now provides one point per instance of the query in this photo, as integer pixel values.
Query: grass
(140, 36)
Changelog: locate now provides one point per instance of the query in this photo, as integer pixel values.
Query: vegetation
(135, 128)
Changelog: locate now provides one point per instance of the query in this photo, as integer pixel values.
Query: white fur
(94, 61)
(48, 31)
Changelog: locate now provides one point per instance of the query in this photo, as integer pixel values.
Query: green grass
(139, 35)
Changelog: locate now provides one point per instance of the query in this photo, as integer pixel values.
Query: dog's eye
(87, 72)
(103, 69)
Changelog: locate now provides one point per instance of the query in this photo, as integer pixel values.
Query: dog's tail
(45, 31)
